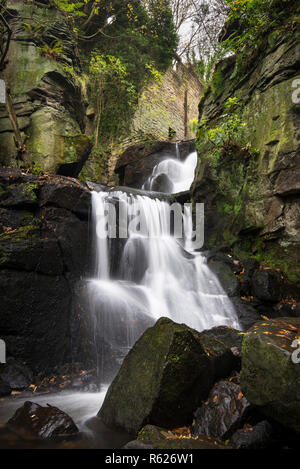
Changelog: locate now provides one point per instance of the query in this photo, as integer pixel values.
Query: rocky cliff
(49, 120)
(44, 239)
(252, 198)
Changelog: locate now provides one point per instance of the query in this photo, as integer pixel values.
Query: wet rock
(23, 195)
(223, 412)
(250, 266)
(231, 338)
(246, 313)
(66, 193)
(266, 285)
(15, 374)
(162, 183)
(226, 277)
(164, 377)
(34, 318)
(5, 388)
(153, 437)
(270, 372)
(136, 164)
(258, 437)
(291, 309)
(43, 422)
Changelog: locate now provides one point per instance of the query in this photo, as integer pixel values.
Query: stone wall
(171, 104)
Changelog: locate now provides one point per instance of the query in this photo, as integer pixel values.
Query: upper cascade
(148, 273)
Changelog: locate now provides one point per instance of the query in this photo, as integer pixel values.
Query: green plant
(53, 51)
(219, 138)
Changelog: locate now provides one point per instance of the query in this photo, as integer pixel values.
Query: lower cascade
(148, 275)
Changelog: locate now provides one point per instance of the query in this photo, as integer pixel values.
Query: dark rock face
(270, 370)
(223, 412)
(15, 374)
(164, 377)
(43, 422)
(5, 388)
(49, 103)
(266, 286)
(231, 339)
(262, 220)
(226, 277)
(257, 437)
(246, 313)
(44, 241)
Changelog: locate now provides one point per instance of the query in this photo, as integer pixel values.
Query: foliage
(214, 140)
(53, 51)
(113, 93)
(254, 19)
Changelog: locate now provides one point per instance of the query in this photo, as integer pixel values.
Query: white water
(180, 174)
(157, 275)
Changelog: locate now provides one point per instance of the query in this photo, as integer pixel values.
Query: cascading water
(156, 275)
(177, 175)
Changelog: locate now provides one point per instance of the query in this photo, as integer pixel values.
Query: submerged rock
(43, 422)
(164, 377)
(270, 373)
(223, 412)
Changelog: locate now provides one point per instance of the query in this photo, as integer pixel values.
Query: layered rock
(43, 254)
(48, 101)
(252, 200)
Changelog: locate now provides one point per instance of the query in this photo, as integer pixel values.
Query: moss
(29, 190)
(21, 234)
(75, 148)
(217, 84)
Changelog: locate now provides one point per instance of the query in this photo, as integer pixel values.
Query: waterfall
(154, 275)
(173, 175)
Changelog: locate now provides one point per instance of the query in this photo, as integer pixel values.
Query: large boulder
(43, 422)
(165, 376)
(223, 412)
(270, 373)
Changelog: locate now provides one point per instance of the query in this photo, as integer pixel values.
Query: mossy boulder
(164, 377)
(270, 376)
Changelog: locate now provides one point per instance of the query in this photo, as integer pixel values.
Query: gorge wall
(54, 112)
(252, 199)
